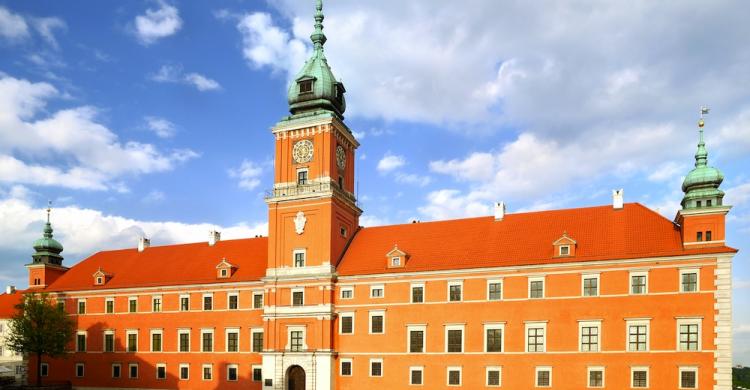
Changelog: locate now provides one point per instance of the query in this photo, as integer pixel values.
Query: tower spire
(701, 185)
(318, 37)
(701, 155)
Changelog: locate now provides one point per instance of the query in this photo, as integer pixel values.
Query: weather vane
(49, 209)
(704, 111)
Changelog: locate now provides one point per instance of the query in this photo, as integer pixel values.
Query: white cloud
(157, 23)
(668, 171)
(390, 162)
(68, 147)
(451, 203)
(248, 175)
(267, 45)
(161, 127)
(154, 196)
(738, 195)
(46, 28)
(175, 74)
(12, 26)
(412, 178)
(367, 220)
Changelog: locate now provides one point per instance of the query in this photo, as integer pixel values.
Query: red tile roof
(169, 265)
(519, 239)
(8, 304)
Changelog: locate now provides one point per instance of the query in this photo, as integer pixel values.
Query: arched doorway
(295, 378)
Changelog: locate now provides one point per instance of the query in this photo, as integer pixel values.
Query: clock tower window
(299, 258)
(302, 176)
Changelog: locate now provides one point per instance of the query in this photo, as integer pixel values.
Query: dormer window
(100, 277)
(305, 86)
(99, 280)
(564, 246)
(395, 261)
(396, 257)
(564, 250)
(224, 273)
(224, 269)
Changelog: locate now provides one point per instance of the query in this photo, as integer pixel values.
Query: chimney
(213, 237)
(10, 290)
(617, 199)
(499, 211)
(143, 243)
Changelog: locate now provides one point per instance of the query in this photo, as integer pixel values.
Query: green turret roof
(703, 181)
(315, 88)
(47, 249)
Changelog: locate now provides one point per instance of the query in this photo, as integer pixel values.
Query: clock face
(303, 151)
(340, 157)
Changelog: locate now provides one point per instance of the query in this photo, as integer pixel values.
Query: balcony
(293, 191)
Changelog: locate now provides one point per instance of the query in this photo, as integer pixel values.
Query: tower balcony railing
(313, 188)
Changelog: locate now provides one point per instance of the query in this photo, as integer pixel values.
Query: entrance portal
(295, 378)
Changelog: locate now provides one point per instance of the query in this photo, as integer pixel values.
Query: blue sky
(154, 117)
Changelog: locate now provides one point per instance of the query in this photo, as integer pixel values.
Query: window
(637, 336)
(232, 372)
(99, 280)
(417, 293)
(596, 377)
(493, 337)
(494, 290)
(133, 370)
(208, 302)
(564, 250)
(535, 336)
(156, 304)
(109, 341)
(299, 258)
(416, 338)
(455, 291)
(257, 300)
(79, 370)
(257, 335)
(224, 273)
(257, 373)
(377, 291)
(689, 334)
(346, 367)
(161, 371)
(45, 369)
(395, 261)
(494, 376)
(156, 340)
(454, 338)
(347, 292)
(346, 324)
(688, 377)
(638, 283)
(708, 203)
(208, 372)
(639, 377)
(708, 235)
(81, 342)
(689, 280)
(698, 203)
(699, 236)
(589, 336)
(305, 86)
(132, 340)
(233, 340)
(536, 287)
(416, 375)
(377, 322)
(109, 306)
(183, 340)
(233, 301)
(116, 371)
(81, 306)
(296, 340)
(454, 376)
(184, 372)
(342, 229)
(301, 177)
(544, 377)
(184, 302)
(376, 367)
(298, 297)
(207, 340)
(132, 305)
(590, 285)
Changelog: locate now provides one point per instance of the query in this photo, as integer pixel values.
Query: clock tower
(313, 215)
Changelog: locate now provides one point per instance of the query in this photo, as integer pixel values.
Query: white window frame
(589, 324)
(183, 296)
(690, 321)
(560, 250)
(161, 303)
(542, 368)
(179, 371)
(210, 369)
(296, 328)
(534, 324)
(137, 371)
(697, 272)
(295, 252)
(589, 369)
(682, 369)
(85, 341)
(346, 288)
(396, 261)
(410, 328)
(544, 286)
(151, 334)
(291, 296)
(341, 322)
(252, 372)
(382, 368)
(487, 370)
(636, 322)
(108, 332)
(254, 331)
(213, 340)
(648, 376)
(190, 341)
(106, 301)
(78, 306)
(203, 302)
(372, 313)
(416, 368)
(448, 376)
(237, 370)
(341, 367)
(227, 331)
(262, 300)
(462, 328)
(307, 177)
(131, 299)
(630, 282)
(127, 340)
(459, 283)
(598, 284)
(83, 370)
(374, 287)
(411, 292)
(502, 289)
(158, 366)
(494, 326)
(233, 294)
(112, 371)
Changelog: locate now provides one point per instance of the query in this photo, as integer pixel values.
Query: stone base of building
(317, 366)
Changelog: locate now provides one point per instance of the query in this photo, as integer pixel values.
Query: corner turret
(46, 265)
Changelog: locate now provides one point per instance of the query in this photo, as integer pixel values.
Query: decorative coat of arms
(299, 222)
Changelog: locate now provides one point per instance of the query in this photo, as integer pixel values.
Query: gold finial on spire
(704, 111)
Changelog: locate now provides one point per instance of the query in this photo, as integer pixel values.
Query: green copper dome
(315, 88)
(701, 185)
(47, 249)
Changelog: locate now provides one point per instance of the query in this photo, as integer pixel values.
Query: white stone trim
(689, 321)
(374, 287)
(494, 326)
(412, 285)
(589, 369)
(372, 313)
(349, 314)
(638, 322)
(537, 279)
(588, 324)
(598, 284)
(697, 272)
(413, 369)
(409, 329)
(534, 325)
(382, 367)
(346, 288)
(630, 282)
(723, 329)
